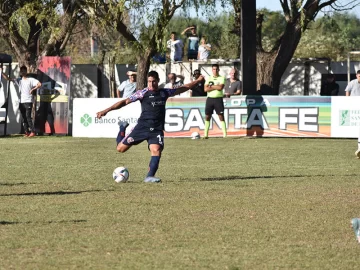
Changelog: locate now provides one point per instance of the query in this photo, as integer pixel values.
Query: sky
(274, 5)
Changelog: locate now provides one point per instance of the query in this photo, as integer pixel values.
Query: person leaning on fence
(329, 87)
(27, 87)
(128, 87)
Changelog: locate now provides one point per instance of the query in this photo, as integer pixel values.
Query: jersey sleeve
(138, 95)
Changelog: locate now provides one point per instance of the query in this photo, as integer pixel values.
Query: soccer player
(214, 86)
(151, 123)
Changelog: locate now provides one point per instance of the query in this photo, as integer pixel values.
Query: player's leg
(24, 121)
(122, 129)
(357, 153)
(209, 108)
(219, 109)
(156, 145)
(135, 137)
(28, 108)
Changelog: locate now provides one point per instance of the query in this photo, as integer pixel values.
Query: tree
(272, 63)
(331, 36)
(141, 23)
(26, 22)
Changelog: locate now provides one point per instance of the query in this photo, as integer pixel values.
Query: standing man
(27, 87)
(151, 123)
(128, 87)
(214, 86)
(198, 89)
(353, 89)
(176, 48)
(193, 42)
(329, 87)
(233, 85)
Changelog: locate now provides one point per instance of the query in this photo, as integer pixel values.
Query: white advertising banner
(86, 124)
(345, 117)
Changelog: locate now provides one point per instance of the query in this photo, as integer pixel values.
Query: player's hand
(101, 114)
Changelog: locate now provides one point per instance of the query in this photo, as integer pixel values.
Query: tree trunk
(143, 68)
(272, 65)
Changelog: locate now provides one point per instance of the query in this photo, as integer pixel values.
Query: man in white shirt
(128, 87)
(27, 87)
(176, 48)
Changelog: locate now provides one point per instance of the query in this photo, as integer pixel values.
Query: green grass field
(235, 203)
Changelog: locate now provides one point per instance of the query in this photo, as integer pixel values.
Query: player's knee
(120, 148)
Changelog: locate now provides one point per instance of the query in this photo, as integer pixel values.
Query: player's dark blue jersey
(152, 106)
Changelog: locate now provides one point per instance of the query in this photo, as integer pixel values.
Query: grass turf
(232, 203)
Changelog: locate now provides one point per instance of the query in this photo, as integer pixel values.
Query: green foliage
(272, 28)
(331, 36)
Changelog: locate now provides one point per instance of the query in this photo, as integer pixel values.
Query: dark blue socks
(120, 135)
(154, 165)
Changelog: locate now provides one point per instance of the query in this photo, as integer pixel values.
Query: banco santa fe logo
(86, 120)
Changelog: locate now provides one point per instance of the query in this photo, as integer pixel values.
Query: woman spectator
(204, 49)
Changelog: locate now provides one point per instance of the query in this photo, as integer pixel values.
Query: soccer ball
(195, 135)
(121, 175)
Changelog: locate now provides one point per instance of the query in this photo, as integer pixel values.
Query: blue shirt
(127, 88)
(152, 106)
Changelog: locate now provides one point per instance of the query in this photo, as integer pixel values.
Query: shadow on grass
(50, 193)
(45, 222)
(238, 177)
(15, 184)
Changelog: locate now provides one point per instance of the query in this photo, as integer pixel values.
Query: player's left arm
(187, 86)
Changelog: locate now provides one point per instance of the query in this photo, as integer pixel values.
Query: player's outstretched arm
(116, 106)
(188, 86)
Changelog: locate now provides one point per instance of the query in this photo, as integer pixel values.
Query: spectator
(128, 87)
(329, 87)
(214, 86)
(353, 88)
(204, 49)
(233, 85)
(27, 87)
(173, 83)
(193, 42)
(176, 48)
(198, 89)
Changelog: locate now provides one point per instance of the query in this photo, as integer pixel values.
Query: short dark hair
(215, 65)
(173, 33)
(358, 72)
(23, 68)
(197, 71)
(154, 74)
